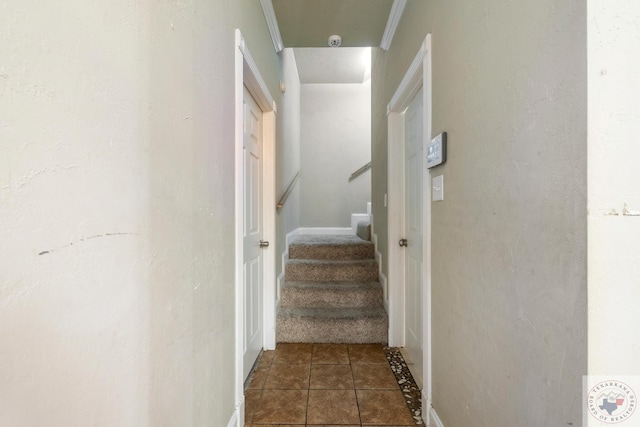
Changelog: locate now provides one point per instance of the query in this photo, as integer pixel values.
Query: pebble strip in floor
(406, 382)
(323, 385)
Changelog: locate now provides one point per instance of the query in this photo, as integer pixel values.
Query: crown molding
(392, 24)
(272, 23)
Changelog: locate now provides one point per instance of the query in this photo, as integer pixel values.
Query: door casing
(247, 74)
(413, 233)
(417, 76)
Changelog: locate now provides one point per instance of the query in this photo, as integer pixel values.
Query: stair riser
(351, 331)
(327, 298)
(328, 252)
(331, 272)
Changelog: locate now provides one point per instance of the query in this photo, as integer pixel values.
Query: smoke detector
(335, 41)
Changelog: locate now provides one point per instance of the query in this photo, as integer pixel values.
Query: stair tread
(345, 247)
(331, 292)
(332, 261)
(333, 313)
(338, 285)
(329, 239)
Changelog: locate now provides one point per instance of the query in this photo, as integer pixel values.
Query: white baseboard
(381, 276)
(355, 219)
(434, 420)
(237, 418)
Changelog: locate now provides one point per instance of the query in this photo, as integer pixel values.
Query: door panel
(252, 261)
(413, 232)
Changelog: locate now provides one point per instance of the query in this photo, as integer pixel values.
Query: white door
(413, 234)
(252, 260)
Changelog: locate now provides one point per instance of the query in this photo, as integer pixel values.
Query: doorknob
(403, 242)
(264, 244)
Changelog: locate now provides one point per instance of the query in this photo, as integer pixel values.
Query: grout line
(355, 390)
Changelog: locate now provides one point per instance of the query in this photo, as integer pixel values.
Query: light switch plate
(437, 188)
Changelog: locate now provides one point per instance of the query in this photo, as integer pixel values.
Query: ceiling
(309, 23)
(306, 25)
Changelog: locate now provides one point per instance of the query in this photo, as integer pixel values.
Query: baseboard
(284, 258)
(355, 219)
(381, 276)
(383, 281)
(237, 418)
(434, 420)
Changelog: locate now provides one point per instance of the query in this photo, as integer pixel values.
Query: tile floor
(326, 385)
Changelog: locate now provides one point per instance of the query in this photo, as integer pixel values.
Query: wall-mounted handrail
(360, 171)
(288, 190)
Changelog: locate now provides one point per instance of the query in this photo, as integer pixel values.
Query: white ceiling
(333, 65)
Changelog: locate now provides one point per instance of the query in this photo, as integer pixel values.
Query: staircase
(331, 292)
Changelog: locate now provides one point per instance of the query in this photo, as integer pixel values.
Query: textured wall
(509, 241)
(288, 152)
(335, 142)
(614, 200)
(116, 210)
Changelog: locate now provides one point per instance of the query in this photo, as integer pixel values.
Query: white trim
(254, 81)
(426, 198)
(395, 227)
(381, 277)
(272, 23)
(356, 218)
(392, 23)
(418, 76)
(269, 229)
(434, 420)
(284, 257)
(411, 82)
(239, 179)
(237, 418)
(247, 73)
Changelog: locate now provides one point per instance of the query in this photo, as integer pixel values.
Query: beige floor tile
(331, 377)
(267, 357)
(292, 354)
(258, 377)
(331, 354)
(373, 376)
(383, 407)
(367, 353)
(332, 407)
(286, 407)
(288, 377)
(251, 401)
(280, 425)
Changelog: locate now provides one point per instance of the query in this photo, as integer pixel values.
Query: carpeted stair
(331, 292)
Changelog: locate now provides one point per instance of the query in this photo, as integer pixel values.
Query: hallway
(331, 384)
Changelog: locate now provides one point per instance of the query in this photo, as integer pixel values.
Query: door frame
(417, 76)
(247, 74)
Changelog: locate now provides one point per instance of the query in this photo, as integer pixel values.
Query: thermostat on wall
(437, 150)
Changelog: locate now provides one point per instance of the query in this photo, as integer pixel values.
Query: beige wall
(509, 241)
(335, 129)
(116, 209)
(288, 152)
